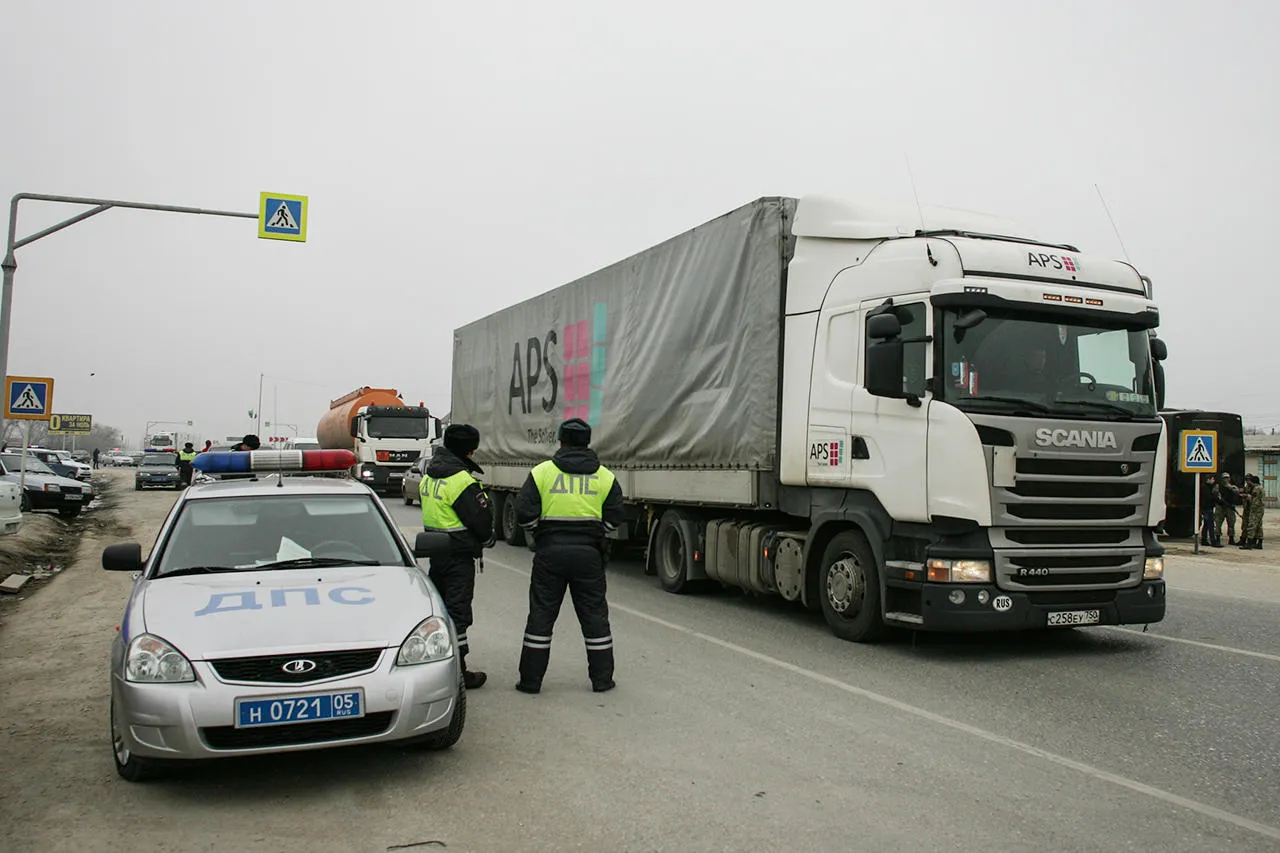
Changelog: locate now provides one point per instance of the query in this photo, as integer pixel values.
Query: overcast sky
(463, 156)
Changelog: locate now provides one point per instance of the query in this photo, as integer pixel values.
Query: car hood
(288, 610)
(34, 479)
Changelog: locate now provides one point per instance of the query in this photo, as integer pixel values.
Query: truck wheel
(849, 586)
(512, 532)
(672, 552)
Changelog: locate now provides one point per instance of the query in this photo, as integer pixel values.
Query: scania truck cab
(981, 408)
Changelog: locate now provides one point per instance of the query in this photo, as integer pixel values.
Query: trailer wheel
(672, 552)
(512, 532)
(849, 587)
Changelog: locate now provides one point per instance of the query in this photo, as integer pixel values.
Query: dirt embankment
(46, 544)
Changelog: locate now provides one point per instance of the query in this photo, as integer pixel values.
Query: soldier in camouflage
(1226, 497)
(1251, 529)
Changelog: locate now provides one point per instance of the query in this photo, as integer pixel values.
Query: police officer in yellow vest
(454, 502)
(570, 502)
(185, 457)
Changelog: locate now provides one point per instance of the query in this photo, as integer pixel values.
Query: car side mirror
(884, 368)
(126, 557)
(431, 544)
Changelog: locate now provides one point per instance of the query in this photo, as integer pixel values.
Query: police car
(277, 614)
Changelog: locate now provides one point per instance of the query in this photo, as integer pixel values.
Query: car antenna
(914, 190)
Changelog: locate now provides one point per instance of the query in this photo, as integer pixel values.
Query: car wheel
(849, 588)
(450, 736)
(512, 532)
(130, 767)
(69, 511)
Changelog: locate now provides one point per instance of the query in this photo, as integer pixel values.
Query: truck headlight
(150, 659)
(1154, 569)
(960, 571)
(428, 642)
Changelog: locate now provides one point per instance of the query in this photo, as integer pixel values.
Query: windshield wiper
(1105, 406)
(313, 562)
(198, 570)
(1030, 404)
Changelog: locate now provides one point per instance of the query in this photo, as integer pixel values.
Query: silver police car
(277, 614)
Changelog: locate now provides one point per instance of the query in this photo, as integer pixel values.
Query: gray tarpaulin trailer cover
(672, 355)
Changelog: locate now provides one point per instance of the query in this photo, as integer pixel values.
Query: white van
(303, 443)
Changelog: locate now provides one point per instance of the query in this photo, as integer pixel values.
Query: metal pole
(22, 477)
(10, 262)
(258, 429)
(1199, 515)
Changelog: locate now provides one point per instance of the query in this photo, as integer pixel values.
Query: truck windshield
(386, 426)
(1012, 362)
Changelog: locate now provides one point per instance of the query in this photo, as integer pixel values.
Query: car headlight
(152, 660)
(960, 571)
(428, 642)
(1154, 569)
(52, 487)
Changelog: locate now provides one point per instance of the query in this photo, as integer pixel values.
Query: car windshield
(384, 426)
(13, 462)
(1010, 361)
(279, 531)
(161, 460)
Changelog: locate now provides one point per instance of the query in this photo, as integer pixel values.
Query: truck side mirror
(431, 544)
(1158, 376)
(355, 428)
(439, 430)
(883, 326)
(1159, 349)
(884, 367)
(122, 558)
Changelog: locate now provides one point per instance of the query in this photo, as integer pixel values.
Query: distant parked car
(61, 467)
(44, 488)
(412, 479)
(10, 507)
(82, 456)
(83, 469)
(119, 460)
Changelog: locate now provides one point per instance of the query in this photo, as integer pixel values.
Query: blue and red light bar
(247, 461)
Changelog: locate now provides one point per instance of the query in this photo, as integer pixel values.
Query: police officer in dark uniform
(186, 456)
(454, 502)
(570, 501)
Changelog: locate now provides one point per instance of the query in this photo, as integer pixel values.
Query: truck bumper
(381, 479)
(1019, 611)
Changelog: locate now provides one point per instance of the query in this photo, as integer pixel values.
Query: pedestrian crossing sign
(282, 217)
(1199, 451)
(28, 397)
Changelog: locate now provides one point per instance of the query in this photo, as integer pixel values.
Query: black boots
(1254, 543)
(473, 678)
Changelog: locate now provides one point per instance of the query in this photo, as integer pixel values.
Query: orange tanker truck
(386, 435)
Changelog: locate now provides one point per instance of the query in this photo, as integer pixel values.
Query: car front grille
(270, 669)
(229, 737)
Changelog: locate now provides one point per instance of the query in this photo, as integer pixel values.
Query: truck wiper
(198, 570)
(313, 562)
(1105, 406)
(1030, 404)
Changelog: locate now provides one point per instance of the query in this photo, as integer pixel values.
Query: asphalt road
(738, 724)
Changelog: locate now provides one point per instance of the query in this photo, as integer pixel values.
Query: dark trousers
(185, 472)
(455, 577)
(580, 570)
(1206, 525)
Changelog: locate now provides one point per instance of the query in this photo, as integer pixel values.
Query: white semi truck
(918, 418)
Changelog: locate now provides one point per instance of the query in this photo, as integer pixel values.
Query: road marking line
(879, 698)
(1202, 645)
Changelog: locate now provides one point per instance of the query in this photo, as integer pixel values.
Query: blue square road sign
(28, 397)
(1199, 451)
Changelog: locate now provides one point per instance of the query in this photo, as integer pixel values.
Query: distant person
(1251, 515)
(570, 501)
(249, 442)
(1226, 497)
(95, 457)
(207, 444)
(185, 457)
